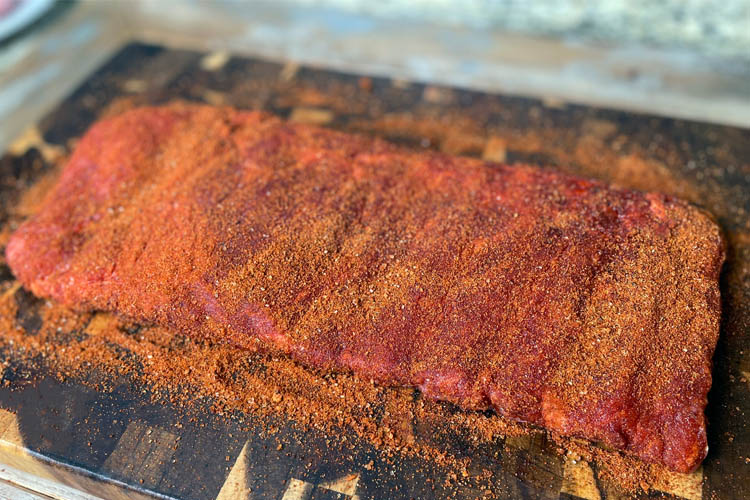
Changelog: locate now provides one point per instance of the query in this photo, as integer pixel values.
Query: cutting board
(119, 443)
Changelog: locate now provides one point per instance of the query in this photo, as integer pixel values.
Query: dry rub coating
(586, 309)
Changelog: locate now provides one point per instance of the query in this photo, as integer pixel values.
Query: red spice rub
(559, 301)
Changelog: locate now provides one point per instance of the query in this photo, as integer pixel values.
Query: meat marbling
(587, 309)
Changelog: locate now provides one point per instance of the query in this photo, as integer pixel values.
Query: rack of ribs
(580, 307)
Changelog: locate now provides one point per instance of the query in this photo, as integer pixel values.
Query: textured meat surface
(586, 309)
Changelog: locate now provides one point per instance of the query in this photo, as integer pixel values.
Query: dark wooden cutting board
(120, 444)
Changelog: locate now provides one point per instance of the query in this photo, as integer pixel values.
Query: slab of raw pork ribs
(590, 310)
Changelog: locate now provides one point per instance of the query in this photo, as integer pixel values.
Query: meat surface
(587, 309)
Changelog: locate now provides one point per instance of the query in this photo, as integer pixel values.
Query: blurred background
(687, 59)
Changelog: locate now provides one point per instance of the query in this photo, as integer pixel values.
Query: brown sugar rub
(563, 302)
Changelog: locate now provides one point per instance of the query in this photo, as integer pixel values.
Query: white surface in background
(23, 14)
(705, 26)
